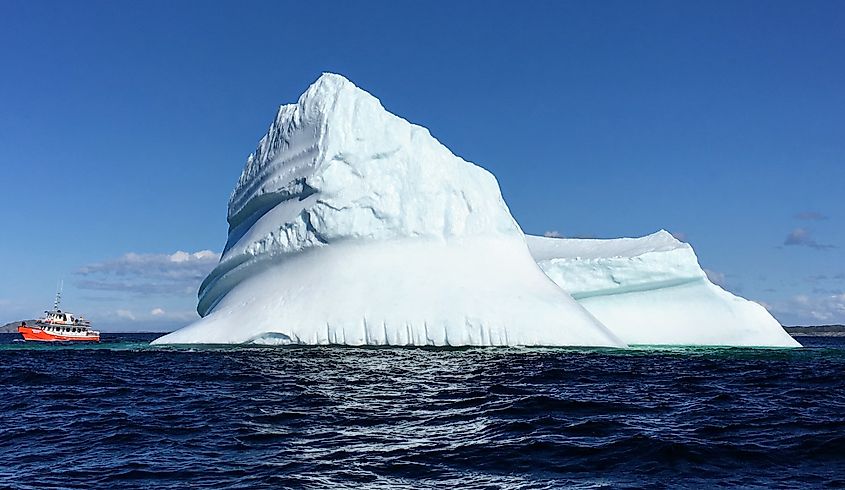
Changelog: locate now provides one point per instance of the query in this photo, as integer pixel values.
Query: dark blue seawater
(122, 414)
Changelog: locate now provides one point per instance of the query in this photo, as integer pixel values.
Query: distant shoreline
(12, 327)
(816, 331)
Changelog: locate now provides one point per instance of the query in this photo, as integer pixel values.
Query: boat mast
(59, 288)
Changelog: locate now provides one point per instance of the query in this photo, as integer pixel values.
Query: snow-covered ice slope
(350, 225)
(651, 290)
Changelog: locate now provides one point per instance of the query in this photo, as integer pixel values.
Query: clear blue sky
(124, 126)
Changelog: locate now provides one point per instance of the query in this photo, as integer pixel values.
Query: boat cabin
(65, 330)
(59, 317)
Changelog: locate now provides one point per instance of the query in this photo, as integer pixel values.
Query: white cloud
(825, 308)
(820, 309)
(803, 237)
(553, 234)
(679, 235)
(716, 277)
(125, 314)
(136, 318)
(810, 216)
(179, 273)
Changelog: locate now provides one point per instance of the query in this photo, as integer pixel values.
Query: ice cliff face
(350, 225)
(337, 166)
(651, 290)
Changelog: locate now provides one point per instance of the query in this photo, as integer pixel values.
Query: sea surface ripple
(123, 414)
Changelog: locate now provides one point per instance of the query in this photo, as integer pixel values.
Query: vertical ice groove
(386, 335)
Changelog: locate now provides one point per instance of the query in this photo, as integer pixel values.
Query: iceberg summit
(350, 225)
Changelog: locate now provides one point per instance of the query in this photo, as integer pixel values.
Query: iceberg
(350, 225)
(651, 290)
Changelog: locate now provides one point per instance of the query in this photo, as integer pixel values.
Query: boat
(59, 326)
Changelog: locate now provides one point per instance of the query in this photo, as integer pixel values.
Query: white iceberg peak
(312, 112)
(351, 225)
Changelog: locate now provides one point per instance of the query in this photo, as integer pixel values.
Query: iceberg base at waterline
(652, 291)
(476, 292)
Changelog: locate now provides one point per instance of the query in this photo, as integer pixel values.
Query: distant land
(13, 327)
(817, 331)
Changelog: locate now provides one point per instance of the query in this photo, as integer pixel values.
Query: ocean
(123, 414)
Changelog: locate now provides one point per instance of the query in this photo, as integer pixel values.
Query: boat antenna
(59, 288)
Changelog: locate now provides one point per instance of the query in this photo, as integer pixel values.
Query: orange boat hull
(39, 335)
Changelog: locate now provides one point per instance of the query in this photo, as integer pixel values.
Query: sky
(125, 125)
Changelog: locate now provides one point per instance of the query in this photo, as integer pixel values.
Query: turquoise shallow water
(126, 414)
